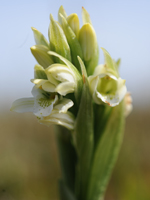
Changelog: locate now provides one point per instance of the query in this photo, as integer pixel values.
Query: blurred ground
(29, 168)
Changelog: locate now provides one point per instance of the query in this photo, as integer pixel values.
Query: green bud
(58, 41)
(40, 54)
(39, 38)
(88, 41)
(74, 23)
(93, 62)
(85, 16)
(62, 12)
(73, 42)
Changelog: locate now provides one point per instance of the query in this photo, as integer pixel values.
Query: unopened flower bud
(62, 12)
(58, 41)
(74, 23)
(41, 55)
(88, 41)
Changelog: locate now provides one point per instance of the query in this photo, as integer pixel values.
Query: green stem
(67, 156)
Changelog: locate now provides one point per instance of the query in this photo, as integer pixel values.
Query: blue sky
(122, 27)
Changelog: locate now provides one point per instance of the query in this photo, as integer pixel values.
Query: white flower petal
(38, 82)
(63, 105)
(65, 88)
(98, 91)
(100, 69)
(42, 107)
(63, 119)
(23, 105)
(49, 87)
(111, 100)
(52, 79)
(61, 72)
(37, 92)
(49, 122)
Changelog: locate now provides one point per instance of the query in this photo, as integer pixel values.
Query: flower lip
(106, 87)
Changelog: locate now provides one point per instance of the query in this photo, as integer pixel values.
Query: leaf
(84, 136)
(101, 116)
(106, 153)
(58, 41)
(65, 193)
(73, 43)
(67, 156)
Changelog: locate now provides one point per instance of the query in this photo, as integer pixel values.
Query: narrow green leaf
(62, 12)
(78, 88)
(65, 193)
(39, 72)
(41, 55)
(67, 156)
(101, 117)
(39, 38)
(106, 153)
(84, 137)
(73, 43)
(58, 41)
(85, 16)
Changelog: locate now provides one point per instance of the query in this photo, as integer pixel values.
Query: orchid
(106, 85)
(89, 100)
(47, 107)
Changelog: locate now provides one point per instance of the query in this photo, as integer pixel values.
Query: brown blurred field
(29, 166)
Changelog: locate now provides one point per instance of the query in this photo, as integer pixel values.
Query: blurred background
(29, 166)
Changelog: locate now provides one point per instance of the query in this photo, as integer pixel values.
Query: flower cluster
(58, 72)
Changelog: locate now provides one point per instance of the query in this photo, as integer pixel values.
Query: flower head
(105, 84)
(47, 107)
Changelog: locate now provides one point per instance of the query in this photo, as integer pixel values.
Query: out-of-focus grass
(29, 166)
